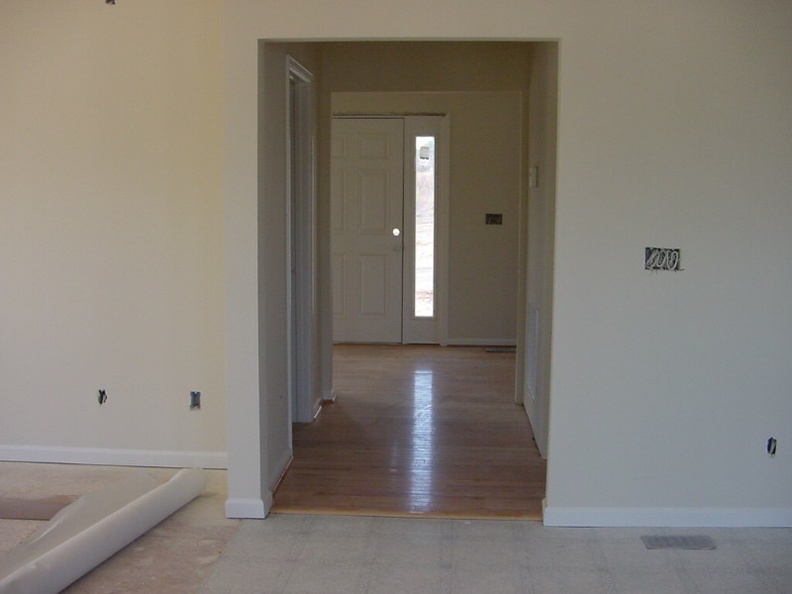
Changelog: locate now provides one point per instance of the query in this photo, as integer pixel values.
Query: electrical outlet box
(656, 258)
(195, 401)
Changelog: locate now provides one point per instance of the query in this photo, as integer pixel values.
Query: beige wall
(111, 239)
(674, 129)
(424, 66)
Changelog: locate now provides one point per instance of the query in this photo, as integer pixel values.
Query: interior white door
(367, 201)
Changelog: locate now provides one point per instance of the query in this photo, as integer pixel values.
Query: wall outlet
(195, 401)
(772, 445)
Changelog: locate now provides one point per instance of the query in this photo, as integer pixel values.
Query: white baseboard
(668, 517)
(249, 508)
(246, 509)
(482, 342)
(113, 457)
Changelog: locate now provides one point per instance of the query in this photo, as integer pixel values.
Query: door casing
(301, 264)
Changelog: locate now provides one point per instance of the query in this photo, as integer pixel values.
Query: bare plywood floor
(417, 430)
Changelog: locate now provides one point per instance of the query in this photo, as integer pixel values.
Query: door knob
(396, 231)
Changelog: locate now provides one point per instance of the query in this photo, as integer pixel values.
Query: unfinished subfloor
(174, 557)
(198, 551)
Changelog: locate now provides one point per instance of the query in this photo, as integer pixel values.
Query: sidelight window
(425, 177)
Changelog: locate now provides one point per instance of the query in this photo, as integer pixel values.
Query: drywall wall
(540, 181)
(257, 344)
(273, 244)
(674, 130)
(484, 178)
(111, 238)
(424, 66)
(666, 386)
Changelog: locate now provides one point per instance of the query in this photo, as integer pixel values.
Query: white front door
(367, 198)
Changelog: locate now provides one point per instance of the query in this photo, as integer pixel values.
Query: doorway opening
(498, 96)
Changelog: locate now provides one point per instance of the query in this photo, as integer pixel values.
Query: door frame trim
(301, 261)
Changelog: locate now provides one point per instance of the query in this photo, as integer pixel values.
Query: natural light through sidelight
(424, 297)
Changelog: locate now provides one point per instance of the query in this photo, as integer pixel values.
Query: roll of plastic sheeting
(92, 529)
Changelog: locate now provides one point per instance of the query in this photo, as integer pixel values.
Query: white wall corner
(113, 457)
(248, 509)
(667, 517)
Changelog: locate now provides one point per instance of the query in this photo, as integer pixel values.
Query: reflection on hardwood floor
(417, 430)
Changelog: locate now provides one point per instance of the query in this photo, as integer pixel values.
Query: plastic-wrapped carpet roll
(92, 529)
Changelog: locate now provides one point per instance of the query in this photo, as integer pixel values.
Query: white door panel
(367, 203)
(374, 288)
(338, 191)
(338, 266)
(375, 188)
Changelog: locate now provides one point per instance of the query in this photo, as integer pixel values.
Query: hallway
(417, 430)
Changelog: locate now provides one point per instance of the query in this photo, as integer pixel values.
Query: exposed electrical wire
(662, 259)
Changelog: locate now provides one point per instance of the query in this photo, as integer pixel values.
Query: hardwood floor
(417, 430)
